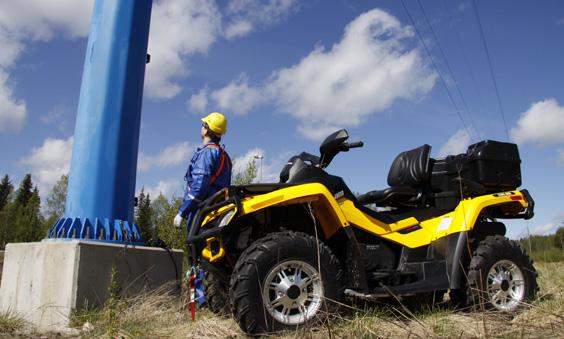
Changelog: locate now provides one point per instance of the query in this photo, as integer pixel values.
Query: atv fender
(324, 206)
(466, 226)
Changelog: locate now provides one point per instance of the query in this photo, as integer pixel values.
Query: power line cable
(435, 37)
(435, 66)
(464, 55)
(475, 7)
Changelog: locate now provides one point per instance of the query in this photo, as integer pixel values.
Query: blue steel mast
(101, 188)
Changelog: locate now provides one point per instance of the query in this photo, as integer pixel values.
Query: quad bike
(283, 255)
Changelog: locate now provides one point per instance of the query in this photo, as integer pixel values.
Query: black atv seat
(408, 176)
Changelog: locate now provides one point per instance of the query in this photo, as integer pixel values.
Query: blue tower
(101, 188)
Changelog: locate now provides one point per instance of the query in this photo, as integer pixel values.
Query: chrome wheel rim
(506, 285)
(292, 292)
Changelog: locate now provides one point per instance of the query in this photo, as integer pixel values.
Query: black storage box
(496, 165)
(492, 164)
(445, 171)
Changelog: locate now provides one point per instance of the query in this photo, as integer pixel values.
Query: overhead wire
(464, 54)
(483, 36)
(459, 90)
(433, 63)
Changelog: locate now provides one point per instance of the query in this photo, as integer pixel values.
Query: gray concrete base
(45, 281)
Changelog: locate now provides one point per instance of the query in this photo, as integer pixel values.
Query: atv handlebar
(354, 144)
(346, 146)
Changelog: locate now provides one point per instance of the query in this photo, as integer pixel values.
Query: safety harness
(223, 157)
(221, 165)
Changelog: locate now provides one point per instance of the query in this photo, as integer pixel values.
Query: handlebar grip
(355, 144)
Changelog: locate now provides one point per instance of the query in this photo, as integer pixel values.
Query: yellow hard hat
(216, 122)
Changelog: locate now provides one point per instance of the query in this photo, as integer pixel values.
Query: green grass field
(163, 316)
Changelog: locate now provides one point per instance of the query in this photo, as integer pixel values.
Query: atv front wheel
(284, 281)
(500, 277)
(217, 295)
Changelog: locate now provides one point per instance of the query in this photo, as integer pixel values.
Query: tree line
(548, 248)
(23, 220)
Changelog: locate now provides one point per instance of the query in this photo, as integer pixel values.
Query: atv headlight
(226, 218)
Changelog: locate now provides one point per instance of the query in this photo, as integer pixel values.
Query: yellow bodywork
(323, 205)
(333, 214)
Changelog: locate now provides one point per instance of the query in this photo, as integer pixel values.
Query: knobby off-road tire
(501, 277)
(217, 295)
(276, 284)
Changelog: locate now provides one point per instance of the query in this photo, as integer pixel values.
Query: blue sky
(288, 72)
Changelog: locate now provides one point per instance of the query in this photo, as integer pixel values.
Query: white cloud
(32, 20)
(168, 188)
(237, 97)
(198, 103)
(12, 111)
(40, 19)
(271, 166)
(545, 229)
(49, 161)
(238, 29)
(542, 123)
(179, 28)
(456, 144)
(240, 163)
(318, 133)
(244, 16)
(362, 74)
(172, 155)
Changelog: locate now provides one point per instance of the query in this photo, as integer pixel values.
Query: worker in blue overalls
(209, 171)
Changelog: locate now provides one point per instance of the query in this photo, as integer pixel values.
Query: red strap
(192, 291)
(223, 156)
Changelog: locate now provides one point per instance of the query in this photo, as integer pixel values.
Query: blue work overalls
(209, 171)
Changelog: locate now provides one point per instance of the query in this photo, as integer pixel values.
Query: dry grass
(160, 315)
(10, 323)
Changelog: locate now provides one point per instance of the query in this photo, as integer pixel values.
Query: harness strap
(218, 172)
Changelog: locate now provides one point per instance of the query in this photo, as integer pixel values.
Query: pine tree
(25, 191)
(36, 221)
(144, 215)
(559, 237)
(25, 219)
(6, 189)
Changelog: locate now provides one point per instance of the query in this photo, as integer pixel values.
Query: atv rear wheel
(284, 281)
(500, 277)
(217, 295)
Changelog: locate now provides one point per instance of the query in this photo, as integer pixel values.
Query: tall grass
(10, 323)
(160, 314)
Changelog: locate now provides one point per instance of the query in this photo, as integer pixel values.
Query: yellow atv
(284, 254)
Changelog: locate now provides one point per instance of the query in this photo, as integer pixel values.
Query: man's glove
(177, 221)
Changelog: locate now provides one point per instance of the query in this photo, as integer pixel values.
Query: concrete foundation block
(45, 281)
